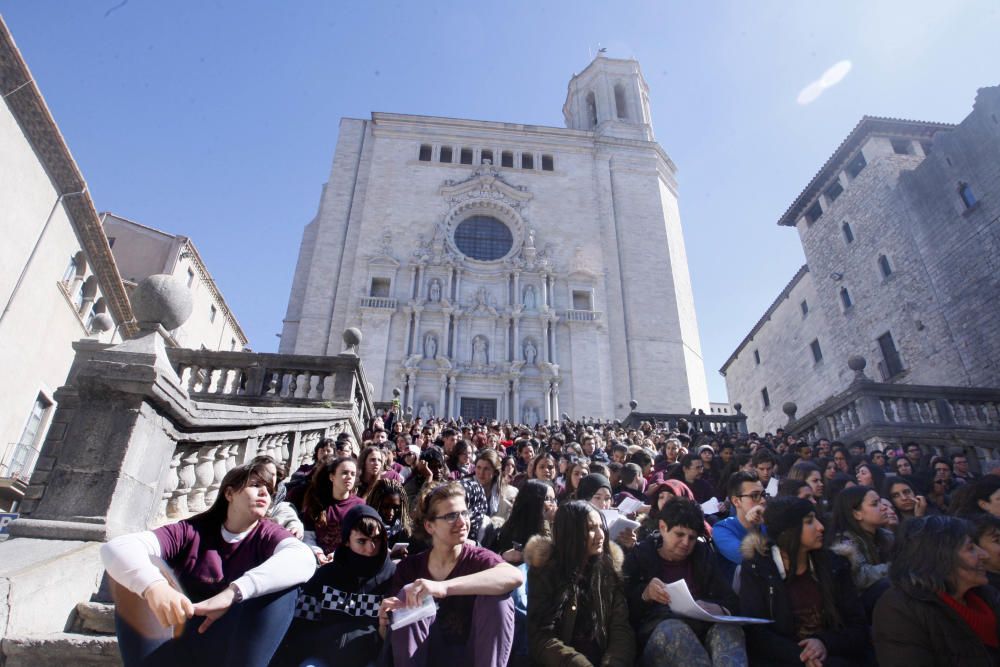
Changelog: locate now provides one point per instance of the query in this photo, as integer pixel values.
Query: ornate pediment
(383, 254)
(486, 183)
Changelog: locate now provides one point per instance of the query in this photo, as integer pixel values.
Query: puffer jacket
(914, 628)
(550, 640)
(866, 568)
(763, 594)
(644, 562)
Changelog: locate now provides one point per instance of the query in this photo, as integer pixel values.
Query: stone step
(95, 617)
(60, 649)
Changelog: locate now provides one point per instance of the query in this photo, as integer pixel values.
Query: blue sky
(218, 120)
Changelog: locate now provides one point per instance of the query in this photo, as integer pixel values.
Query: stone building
(142, 251)
(507, 270)
(901, 236)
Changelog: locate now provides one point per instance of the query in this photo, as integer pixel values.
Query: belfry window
(527, 161)
(620, 101)
(445, 154)
(507, 159)
(425, 153)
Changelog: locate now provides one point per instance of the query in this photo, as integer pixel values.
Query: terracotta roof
(766, 316)
(867, 126)
(28, 106)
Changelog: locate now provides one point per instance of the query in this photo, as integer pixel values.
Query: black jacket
(916, 629)
(643, 564)
(763, 595)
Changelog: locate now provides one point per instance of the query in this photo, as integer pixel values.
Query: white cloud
(831, 77)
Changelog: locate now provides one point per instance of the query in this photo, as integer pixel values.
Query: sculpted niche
(434, 290)
(480, 351)
(430, 346)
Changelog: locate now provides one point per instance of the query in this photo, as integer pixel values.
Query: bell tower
(610, 97)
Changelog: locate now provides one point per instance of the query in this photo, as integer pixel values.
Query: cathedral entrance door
(478, 408)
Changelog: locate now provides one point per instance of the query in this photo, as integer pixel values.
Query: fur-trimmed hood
(753, 545)
(538, 552)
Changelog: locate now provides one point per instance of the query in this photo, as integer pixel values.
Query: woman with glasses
(474, 622)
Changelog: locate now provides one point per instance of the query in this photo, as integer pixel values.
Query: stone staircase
(89, 641)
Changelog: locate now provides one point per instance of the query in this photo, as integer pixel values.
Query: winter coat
(285, 516)
(643, 564)
(865, 571)
(913, 628)
(549, 640)
(763, 594)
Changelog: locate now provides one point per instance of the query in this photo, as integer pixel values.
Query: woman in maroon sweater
(328, 500)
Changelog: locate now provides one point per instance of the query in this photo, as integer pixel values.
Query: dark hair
(802, 469)
(538, 459)
(965, 500)
(763, 455)
(461, 447)
(363, 460)
(790, 487)
(279, 468)
(641, 458)
(983, 525)
(527, 516)
(736, 481)
(688, 459)
(572, 567)
(238, 479)
(685, 513)
(385, 488)
(369, 527)
(873, 547)
(319, 494)
(789, 541)
(630, 472)
(926, 554)
(325, 442)
(878, 475)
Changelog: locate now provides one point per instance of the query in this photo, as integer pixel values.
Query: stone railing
(380, 302)
(883, 414)
(583, 316)
(715, 423)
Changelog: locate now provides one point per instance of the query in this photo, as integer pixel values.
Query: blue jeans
(245, 636)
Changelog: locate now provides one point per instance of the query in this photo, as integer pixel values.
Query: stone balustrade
(712, 422)
(583, 316)
(378, 302)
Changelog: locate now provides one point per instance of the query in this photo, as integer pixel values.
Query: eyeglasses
(756, 496)
(453, 517)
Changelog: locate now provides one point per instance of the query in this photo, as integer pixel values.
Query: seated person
(474, 623)
(677, 553)
(860, 536)
(746, 494)
(234, 569)
(336, 618)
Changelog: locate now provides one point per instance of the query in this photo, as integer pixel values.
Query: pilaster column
(454, 337)
(416, 331)
(548, 403)
(458, 286)
(413, 281)
(555, 346)
(409, 331)
(406, 389)
(453, 412)
(517, 287)
(441, 408)
(545, 341)
(555, 400)
(517, 336)
(516, 416)
(545, 290)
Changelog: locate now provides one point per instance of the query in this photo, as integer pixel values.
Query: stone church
(504, 270)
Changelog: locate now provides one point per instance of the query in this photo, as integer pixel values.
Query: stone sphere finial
(161, 299)
(790, 409)
(409, 410)
(101, 323)
(352, 338)
(856, 363)
(737, 407)
(396, 392)
(633, 404)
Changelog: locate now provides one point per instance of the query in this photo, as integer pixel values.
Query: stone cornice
(33, 116)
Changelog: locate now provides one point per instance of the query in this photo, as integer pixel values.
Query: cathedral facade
(503, 270)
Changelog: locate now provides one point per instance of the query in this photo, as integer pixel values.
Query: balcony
(378, 303)
(583, 316)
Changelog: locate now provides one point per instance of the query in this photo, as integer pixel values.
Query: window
(591, 110)
(547, 164)
(71, 271)
(883, 266)
(484, 238)
(212, 313)
(804, 306)
(232, 344)
(527, 161)
(845, 298)
(190, 277)
(855, 166)
(445, 154)
(816, 350)
(756, 357)
(380, 287)
(23, 459)
(848, 232)
(765, 398)
(814, 212)
(465, 157)
(111, 241)
(507, 159)
(834, 191)
(485, 155)
(425, 153)
(890, 355)
(620, 101)
(965, 192)
(581, 300)
(902, 146)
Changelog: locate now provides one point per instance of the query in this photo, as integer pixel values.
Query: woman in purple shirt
(230, 566)
(474, 623)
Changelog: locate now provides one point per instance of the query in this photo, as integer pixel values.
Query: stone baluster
(204, 473)
(293, 384)
(193, 378)
(219, 469)
(185, 481)
(321, 385)
(170, 482)
(284, 454)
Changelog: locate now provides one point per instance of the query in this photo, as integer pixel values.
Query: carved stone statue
(479, 357)
(530, 415)
(430, 346)
(426, 411)
(530, 353)
(529, 297)
(531, 238)
(435, 290)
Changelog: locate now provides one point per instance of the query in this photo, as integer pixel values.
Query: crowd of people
(492, 544)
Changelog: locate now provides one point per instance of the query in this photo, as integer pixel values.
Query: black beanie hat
(590, 484)
(353, 516)
(784, 513)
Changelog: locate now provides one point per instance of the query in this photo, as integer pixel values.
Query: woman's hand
(214, 607)
(297, 531)
(399, 551)
(813, 651)
(920, 508)
(170, 606)
(388, 604)
(513, 556)
(627, 538)
(322, 558)
(656, 591)
(421, 588)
